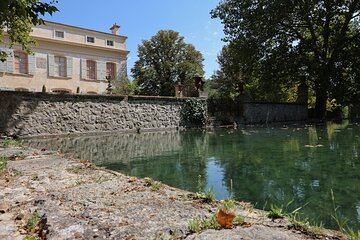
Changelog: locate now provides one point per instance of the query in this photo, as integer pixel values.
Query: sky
(142, 19)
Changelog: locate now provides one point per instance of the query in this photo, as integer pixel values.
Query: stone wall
(274, 112)
(30, 114)
(225, 112)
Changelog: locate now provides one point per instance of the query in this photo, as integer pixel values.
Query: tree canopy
(164, 60)
(17, 18)
(276, 42)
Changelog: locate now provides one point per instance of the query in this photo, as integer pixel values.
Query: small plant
(207, 196)
(74, 169)
(228, 205)
(155, 186)
(33, 221)
(3, 163)
(352, 234)
(275, 212)
(10, 142)
(226, 214)
(341, 222)
(30, 238)
(238, 220)
(197, 225)
(194, 225)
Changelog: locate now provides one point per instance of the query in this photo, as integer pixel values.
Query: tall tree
(17, 18)
(164, 60)
(317, 39)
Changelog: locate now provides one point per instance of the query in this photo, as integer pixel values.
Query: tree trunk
(320, 104)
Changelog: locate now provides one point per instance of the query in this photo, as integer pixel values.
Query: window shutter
(31, 64)
(83, 68)
(100, 70)
(10, 61)
(3, 64)
(118, 71)
(51, 65)
(121, 69)
(69, 67)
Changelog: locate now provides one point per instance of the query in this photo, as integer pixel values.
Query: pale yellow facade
(62, 61)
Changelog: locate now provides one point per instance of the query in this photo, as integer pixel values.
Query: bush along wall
(194, 112)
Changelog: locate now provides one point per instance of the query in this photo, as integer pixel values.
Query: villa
(67, 59)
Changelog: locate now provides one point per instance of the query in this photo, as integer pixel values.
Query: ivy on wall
(194, 112)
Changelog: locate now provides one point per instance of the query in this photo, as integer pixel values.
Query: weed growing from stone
(275, 212)
(102, 179)
(74, 169)
(207, 196)
(352, 234)
(10, 142)
(238, 220)
(155, 186)
(30, 238)
(3, 163)
(199, 224)
(32, 222)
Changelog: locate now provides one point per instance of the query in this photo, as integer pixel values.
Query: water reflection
(272, 165)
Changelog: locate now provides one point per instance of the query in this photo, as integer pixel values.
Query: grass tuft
(10, 142)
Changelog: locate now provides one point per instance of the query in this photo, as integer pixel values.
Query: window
(59, 34)
(60, 66)
(61, 91)
(90, 69)
(110, 70)
(110, 43)
(21, 62)
(90, 39)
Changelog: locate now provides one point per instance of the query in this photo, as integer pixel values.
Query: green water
(265, 165)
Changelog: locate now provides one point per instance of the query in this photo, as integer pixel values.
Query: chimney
(115, 29)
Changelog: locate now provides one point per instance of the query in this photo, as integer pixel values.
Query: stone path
(76, 200)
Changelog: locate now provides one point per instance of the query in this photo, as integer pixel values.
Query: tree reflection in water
(273, 165)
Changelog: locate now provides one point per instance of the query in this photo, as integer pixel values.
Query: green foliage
(273, 43)
(194, 112)
(30, 238)
(238, 220)
(197, 225)
(207, 196)
(18, 17)
(164, 60)
(123, 86)
(3, 163)
(228, 205)
(33, 221)
(10, 142)
(275, 212)
(353, 235)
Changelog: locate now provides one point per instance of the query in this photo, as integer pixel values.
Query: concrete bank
(73, 199)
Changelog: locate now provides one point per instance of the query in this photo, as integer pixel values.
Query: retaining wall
(29, 114)
(254, 112)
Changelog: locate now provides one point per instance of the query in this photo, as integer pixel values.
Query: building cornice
(85, 29)
(78, 44)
